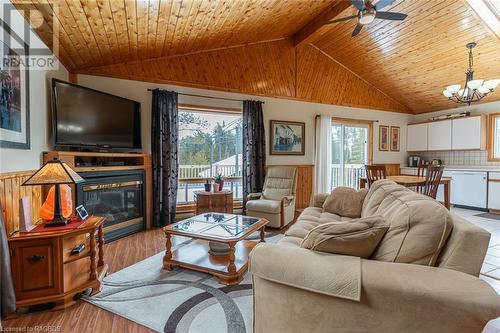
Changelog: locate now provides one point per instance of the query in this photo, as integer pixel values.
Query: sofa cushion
(312, 217)
(419, 225)
(357, 238)
(345, 201)
(263, 205)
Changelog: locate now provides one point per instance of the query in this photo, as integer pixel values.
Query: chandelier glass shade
(473, 90)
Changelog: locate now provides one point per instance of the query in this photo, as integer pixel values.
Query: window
(494, 139)
(210, 144)
(351, 150)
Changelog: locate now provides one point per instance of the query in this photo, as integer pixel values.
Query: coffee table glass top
(216, 225)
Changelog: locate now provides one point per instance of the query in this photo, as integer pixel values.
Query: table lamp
(55, 172)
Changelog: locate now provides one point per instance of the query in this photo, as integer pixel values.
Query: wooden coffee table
(221, 228)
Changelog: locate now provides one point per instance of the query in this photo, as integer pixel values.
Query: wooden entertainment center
(101, 162)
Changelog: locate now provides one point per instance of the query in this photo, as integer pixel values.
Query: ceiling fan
(367, 12)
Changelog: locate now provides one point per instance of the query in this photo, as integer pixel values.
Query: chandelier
(473, 90)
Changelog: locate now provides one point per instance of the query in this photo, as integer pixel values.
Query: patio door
(351, 150)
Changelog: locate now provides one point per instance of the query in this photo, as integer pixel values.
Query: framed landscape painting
(287, 137)
(383, 138)
(14, 91)
(395, 138)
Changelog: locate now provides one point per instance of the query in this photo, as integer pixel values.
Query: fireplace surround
(119, 196)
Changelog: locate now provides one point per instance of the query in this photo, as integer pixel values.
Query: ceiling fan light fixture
(367, 16)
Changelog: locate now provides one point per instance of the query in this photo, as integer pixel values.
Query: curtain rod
(212, 97)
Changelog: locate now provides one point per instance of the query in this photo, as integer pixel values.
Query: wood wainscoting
(11, 192)
(305, 178)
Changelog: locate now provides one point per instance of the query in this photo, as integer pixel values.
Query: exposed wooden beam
(312, 29)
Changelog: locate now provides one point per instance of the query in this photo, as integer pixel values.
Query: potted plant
(220, 181)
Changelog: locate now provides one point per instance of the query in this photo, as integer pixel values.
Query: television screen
(89, 118)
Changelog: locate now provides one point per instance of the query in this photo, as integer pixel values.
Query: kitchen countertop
(477, 168)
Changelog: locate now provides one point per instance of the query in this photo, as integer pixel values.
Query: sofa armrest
(314, 271)
(254, 196)
(319, 199)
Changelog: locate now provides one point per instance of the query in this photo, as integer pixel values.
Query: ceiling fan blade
(390, 16)
(359, 4)
(383, 3)
(342, 19)
(357, 29)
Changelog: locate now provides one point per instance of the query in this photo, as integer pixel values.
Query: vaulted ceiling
(277, 48)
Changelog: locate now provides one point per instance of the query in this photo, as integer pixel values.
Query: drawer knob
(35, 258)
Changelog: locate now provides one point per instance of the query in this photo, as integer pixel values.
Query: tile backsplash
(479, 158)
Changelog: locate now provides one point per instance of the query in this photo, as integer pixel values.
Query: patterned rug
(178, 301)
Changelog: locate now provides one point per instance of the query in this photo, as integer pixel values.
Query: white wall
(39, 87)
(274, 108)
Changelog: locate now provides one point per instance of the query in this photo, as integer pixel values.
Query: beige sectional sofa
(423, 277)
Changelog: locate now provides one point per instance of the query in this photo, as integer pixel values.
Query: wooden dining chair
(421, 172)
(374, 173)
(432, 180)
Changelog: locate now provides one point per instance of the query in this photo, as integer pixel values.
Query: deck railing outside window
(352, 173)
(190, 180)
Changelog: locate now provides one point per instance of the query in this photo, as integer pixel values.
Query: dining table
(415, 181)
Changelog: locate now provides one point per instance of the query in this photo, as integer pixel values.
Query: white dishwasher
(469, 188)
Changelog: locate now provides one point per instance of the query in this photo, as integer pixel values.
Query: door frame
(369, 123)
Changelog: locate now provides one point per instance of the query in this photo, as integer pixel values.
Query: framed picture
(395, 138)
(383, 138)
(14, 91)
(82, 212)
(287, 137)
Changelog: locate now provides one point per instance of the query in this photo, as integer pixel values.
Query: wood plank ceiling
(277, 48)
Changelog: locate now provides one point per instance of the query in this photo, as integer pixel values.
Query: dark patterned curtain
(164, 136)
(254, 148)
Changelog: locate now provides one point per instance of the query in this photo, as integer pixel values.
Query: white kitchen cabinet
(417, 137)
(494, 191)
(469, 133)
(469, 188)
(410, 171)
(439, 135)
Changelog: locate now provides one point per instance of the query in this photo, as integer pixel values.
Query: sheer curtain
(323, 155)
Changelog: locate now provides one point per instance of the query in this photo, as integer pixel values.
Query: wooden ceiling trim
(311, 30)
(249, 69)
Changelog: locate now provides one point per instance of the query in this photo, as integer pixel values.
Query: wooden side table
(44, 270)
(219, 202)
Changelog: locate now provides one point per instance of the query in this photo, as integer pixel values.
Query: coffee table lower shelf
(195, 256)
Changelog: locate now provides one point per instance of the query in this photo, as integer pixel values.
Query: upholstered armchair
(276, 203)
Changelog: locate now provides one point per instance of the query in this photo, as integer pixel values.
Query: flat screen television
(90, 119)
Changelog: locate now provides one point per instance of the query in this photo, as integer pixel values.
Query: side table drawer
(34, 267)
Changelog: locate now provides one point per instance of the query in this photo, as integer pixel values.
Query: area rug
(489, 216)
(178, 301)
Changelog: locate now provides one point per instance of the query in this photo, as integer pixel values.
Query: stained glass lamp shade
(55, 172)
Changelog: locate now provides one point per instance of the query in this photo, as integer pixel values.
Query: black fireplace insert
(116, 195)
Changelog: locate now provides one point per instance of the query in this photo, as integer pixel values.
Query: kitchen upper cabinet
(417, 137)
(469, 133)
(439, 135)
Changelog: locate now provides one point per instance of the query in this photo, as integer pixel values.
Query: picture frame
(14, 87)
(383, 138)
(287, 137)
(395, 138)
(81, 212)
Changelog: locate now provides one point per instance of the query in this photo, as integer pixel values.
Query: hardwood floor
(84, 317)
